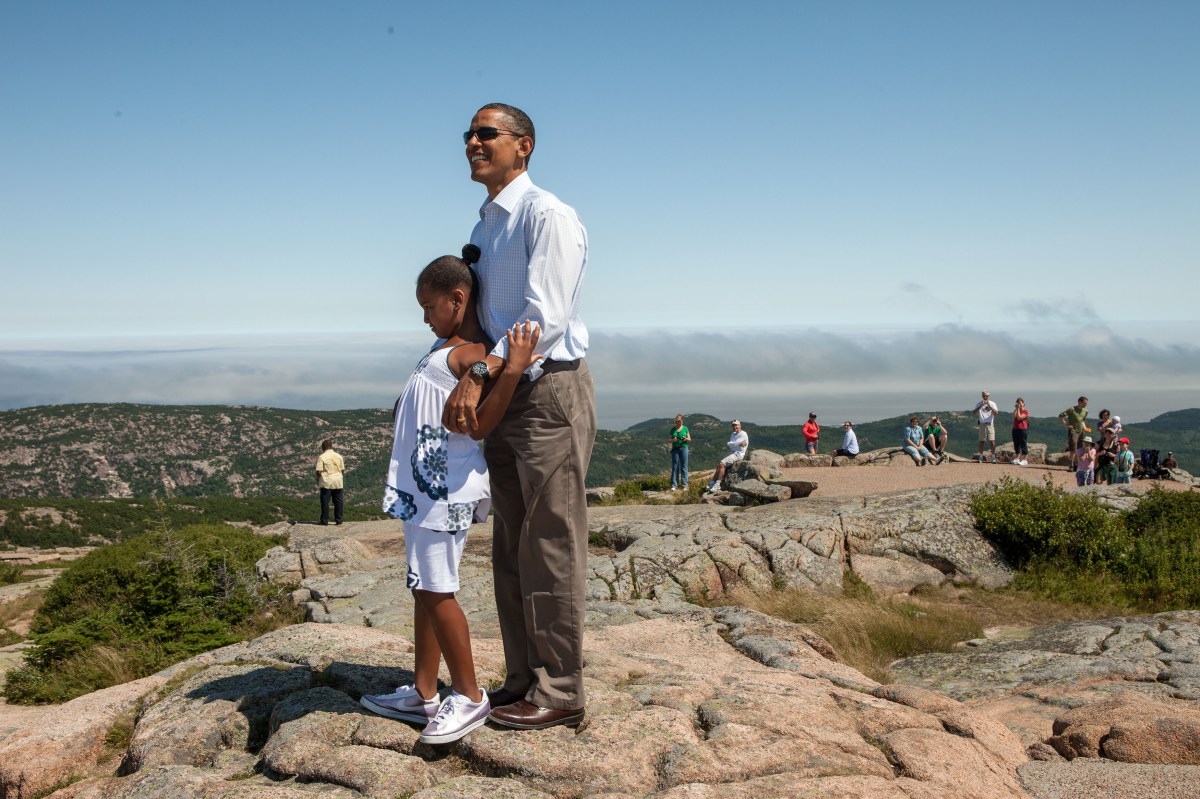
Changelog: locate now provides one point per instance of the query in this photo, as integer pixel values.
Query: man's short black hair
(326, 444)
(518, 122)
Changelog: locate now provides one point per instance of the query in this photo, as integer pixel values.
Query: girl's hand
(522, 339)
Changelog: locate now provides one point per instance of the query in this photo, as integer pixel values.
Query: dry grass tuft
(867, 633)
(870, 634)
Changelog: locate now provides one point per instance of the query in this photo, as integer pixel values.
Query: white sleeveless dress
(437, 479)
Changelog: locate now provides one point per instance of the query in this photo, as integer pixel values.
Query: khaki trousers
(537, 458)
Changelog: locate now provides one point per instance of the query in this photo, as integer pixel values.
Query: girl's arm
(463, 356)
(522, 339)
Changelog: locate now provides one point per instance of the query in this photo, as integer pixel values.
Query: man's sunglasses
(486, 134)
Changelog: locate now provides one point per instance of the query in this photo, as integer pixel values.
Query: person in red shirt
(1020, 434)
(811, 431)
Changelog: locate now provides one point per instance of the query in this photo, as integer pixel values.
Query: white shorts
(731, 458)
(987, 432)
(433, 557)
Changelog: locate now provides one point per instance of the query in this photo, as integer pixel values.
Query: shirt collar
(510, 194)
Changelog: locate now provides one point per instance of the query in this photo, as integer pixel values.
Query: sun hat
(1088, 440)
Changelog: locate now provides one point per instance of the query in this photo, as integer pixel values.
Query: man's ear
(524, 146)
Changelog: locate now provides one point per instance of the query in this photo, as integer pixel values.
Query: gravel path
(1085, 778)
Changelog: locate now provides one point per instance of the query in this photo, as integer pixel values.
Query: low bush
(1028, 522)
(1070, 548)
(10, 573)
(128, 610)
(1163, 568)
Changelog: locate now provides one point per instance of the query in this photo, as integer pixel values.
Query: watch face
(480, 369)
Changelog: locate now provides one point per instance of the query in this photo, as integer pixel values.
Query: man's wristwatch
(480, 369)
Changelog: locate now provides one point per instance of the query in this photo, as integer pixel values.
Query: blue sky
(281, 170)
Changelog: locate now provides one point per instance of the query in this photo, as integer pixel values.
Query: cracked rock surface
(682, 702)
(1029, 677)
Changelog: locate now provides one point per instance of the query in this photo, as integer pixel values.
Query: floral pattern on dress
(399, 504)
(459, 515)
(429, 461)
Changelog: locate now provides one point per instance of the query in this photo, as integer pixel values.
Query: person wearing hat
(986, 411)
(738, 443)
(812, 432)
(1169, 462)
(1085, 462)
(1123, 472)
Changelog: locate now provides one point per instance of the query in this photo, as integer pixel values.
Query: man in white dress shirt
(533, 258)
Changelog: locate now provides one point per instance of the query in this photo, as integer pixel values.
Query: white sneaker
(405, 703)
(993, 459)
(713, 485)
(457, 716)
(981, 460)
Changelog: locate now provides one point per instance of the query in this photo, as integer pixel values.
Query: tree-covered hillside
(124, 450)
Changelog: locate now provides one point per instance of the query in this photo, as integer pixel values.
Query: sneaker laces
(450, 707)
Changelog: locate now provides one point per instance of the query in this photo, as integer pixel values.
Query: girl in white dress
(438, 484)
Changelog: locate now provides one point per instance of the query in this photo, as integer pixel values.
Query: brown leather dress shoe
(524, 715)
(502, 696)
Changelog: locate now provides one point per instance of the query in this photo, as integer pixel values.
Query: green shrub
(1028, 522)
(130, 609)
(630, 491)
(1069, 548)
(1163, 568)
(10, 573)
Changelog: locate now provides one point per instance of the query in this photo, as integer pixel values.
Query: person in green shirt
(1075, 420)
(679, 453)
(936, 436)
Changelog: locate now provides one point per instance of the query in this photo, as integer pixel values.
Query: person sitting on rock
(849, 447)
(914, 444)
(936, 437)
(1169, 462)
(738, 443)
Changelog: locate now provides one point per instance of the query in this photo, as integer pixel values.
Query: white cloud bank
(768, 376)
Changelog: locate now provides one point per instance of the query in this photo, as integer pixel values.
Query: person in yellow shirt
(330, 468)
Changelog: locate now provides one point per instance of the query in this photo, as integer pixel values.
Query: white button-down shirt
(533, 257)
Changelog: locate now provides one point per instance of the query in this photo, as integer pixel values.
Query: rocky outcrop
(1027, 677)
(683, 702)
(67, 741)
(1131, 729)
(894, 542)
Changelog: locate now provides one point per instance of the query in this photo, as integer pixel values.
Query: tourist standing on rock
(680, 438)
(1106, 457)
(1085, 462)
(330, 468)
(914, 444)
(812, 432)
(437, 483)
(738, 443)
(849, 447)
(1075, 420)
(986, 411)
(534, 255)
(1020, 433)
(1124, 473)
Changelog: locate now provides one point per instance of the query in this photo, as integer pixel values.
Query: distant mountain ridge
(127, 450)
